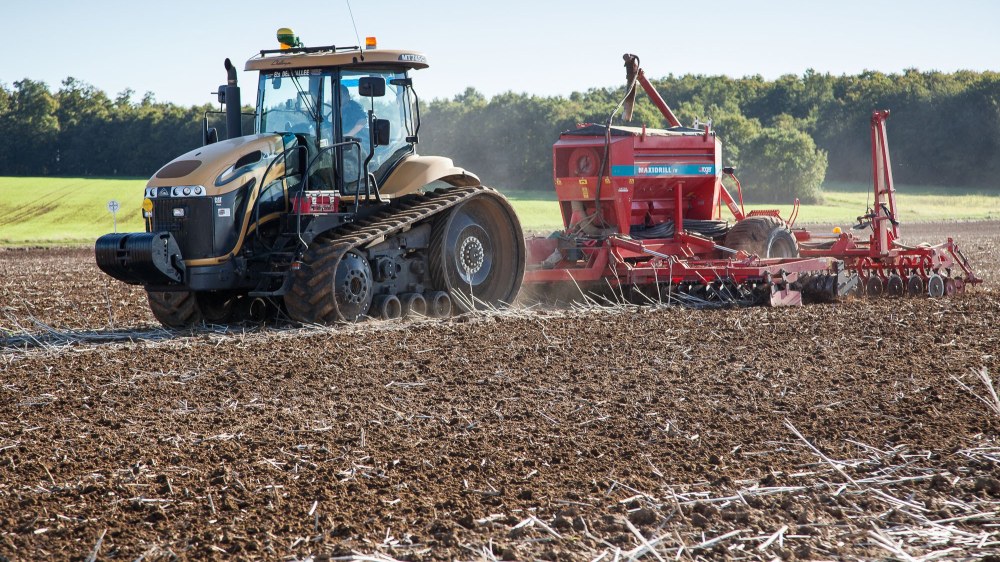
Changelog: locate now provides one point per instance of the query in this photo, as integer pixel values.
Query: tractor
(325, 211)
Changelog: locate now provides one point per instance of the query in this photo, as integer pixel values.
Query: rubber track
(174, 310)
(311, 299)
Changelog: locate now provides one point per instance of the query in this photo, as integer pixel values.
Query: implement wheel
(765, 237)
(477, 253)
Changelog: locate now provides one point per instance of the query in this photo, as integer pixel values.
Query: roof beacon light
(287, 38)
(370, 43)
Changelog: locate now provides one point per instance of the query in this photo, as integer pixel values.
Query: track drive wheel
(477, 253)
(327, 290)
(766, 237)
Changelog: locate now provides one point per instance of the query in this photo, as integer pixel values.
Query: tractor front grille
(190, 220)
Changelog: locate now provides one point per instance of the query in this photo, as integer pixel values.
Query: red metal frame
(881, 255)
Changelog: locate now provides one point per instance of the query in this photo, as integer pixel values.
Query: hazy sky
(175, 49)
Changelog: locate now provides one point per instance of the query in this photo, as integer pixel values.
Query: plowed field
(856, 430)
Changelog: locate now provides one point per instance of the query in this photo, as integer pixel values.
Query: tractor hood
(224, 166)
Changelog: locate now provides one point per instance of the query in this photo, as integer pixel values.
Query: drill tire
(765, 237)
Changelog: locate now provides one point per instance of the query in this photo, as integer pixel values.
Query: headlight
(176, 191)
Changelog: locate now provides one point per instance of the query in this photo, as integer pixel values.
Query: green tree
(785, 164)
(31, 127)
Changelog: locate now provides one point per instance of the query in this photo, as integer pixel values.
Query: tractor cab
(353, 110)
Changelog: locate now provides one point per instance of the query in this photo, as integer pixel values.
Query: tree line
(78, 130)
(784, 136)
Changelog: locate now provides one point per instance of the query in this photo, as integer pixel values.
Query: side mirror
(222, 93)
(371, 86)
(208, 136)
(381, 132)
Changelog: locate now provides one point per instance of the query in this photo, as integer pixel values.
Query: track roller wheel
(766, 237)
(439, 304)
(894, 287)
(477, 253)
(327, 290)
(387, 307)
(914, 285)
(874, 287)
(935, 286)
(414, 304)
(175, 309)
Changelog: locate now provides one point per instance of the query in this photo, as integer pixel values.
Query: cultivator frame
(882, 262)
(649, 180)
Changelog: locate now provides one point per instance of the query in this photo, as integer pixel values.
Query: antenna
(350, 11)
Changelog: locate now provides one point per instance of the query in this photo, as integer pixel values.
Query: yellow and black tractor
(325, 211)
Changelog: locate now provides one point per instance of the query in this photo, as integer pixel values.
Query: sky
(552, 48)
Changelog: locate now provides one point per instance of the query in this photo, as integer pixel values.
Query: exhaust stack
(234, 117)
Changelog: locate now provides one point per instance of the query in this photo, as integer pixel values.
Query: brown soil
(851, 430)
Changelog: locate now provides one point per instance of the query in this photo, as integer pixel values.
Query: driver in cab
(352, 115)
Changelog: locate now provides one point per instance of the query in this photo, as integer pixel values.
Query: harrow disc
(894, 287)
(914, 285)
(935, 286)
(949, 287)
(874, 286)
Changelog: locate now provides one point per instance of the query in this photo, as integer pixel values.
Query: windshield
(302, 102)
(290, 101)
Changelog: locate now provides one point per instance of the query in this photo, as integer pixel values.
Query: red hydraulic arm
(632, 69)
(657, 100)
(883, 215)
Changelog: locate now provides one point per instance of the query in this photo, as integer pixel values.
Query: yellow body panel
(208, 163)
(415, 172)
